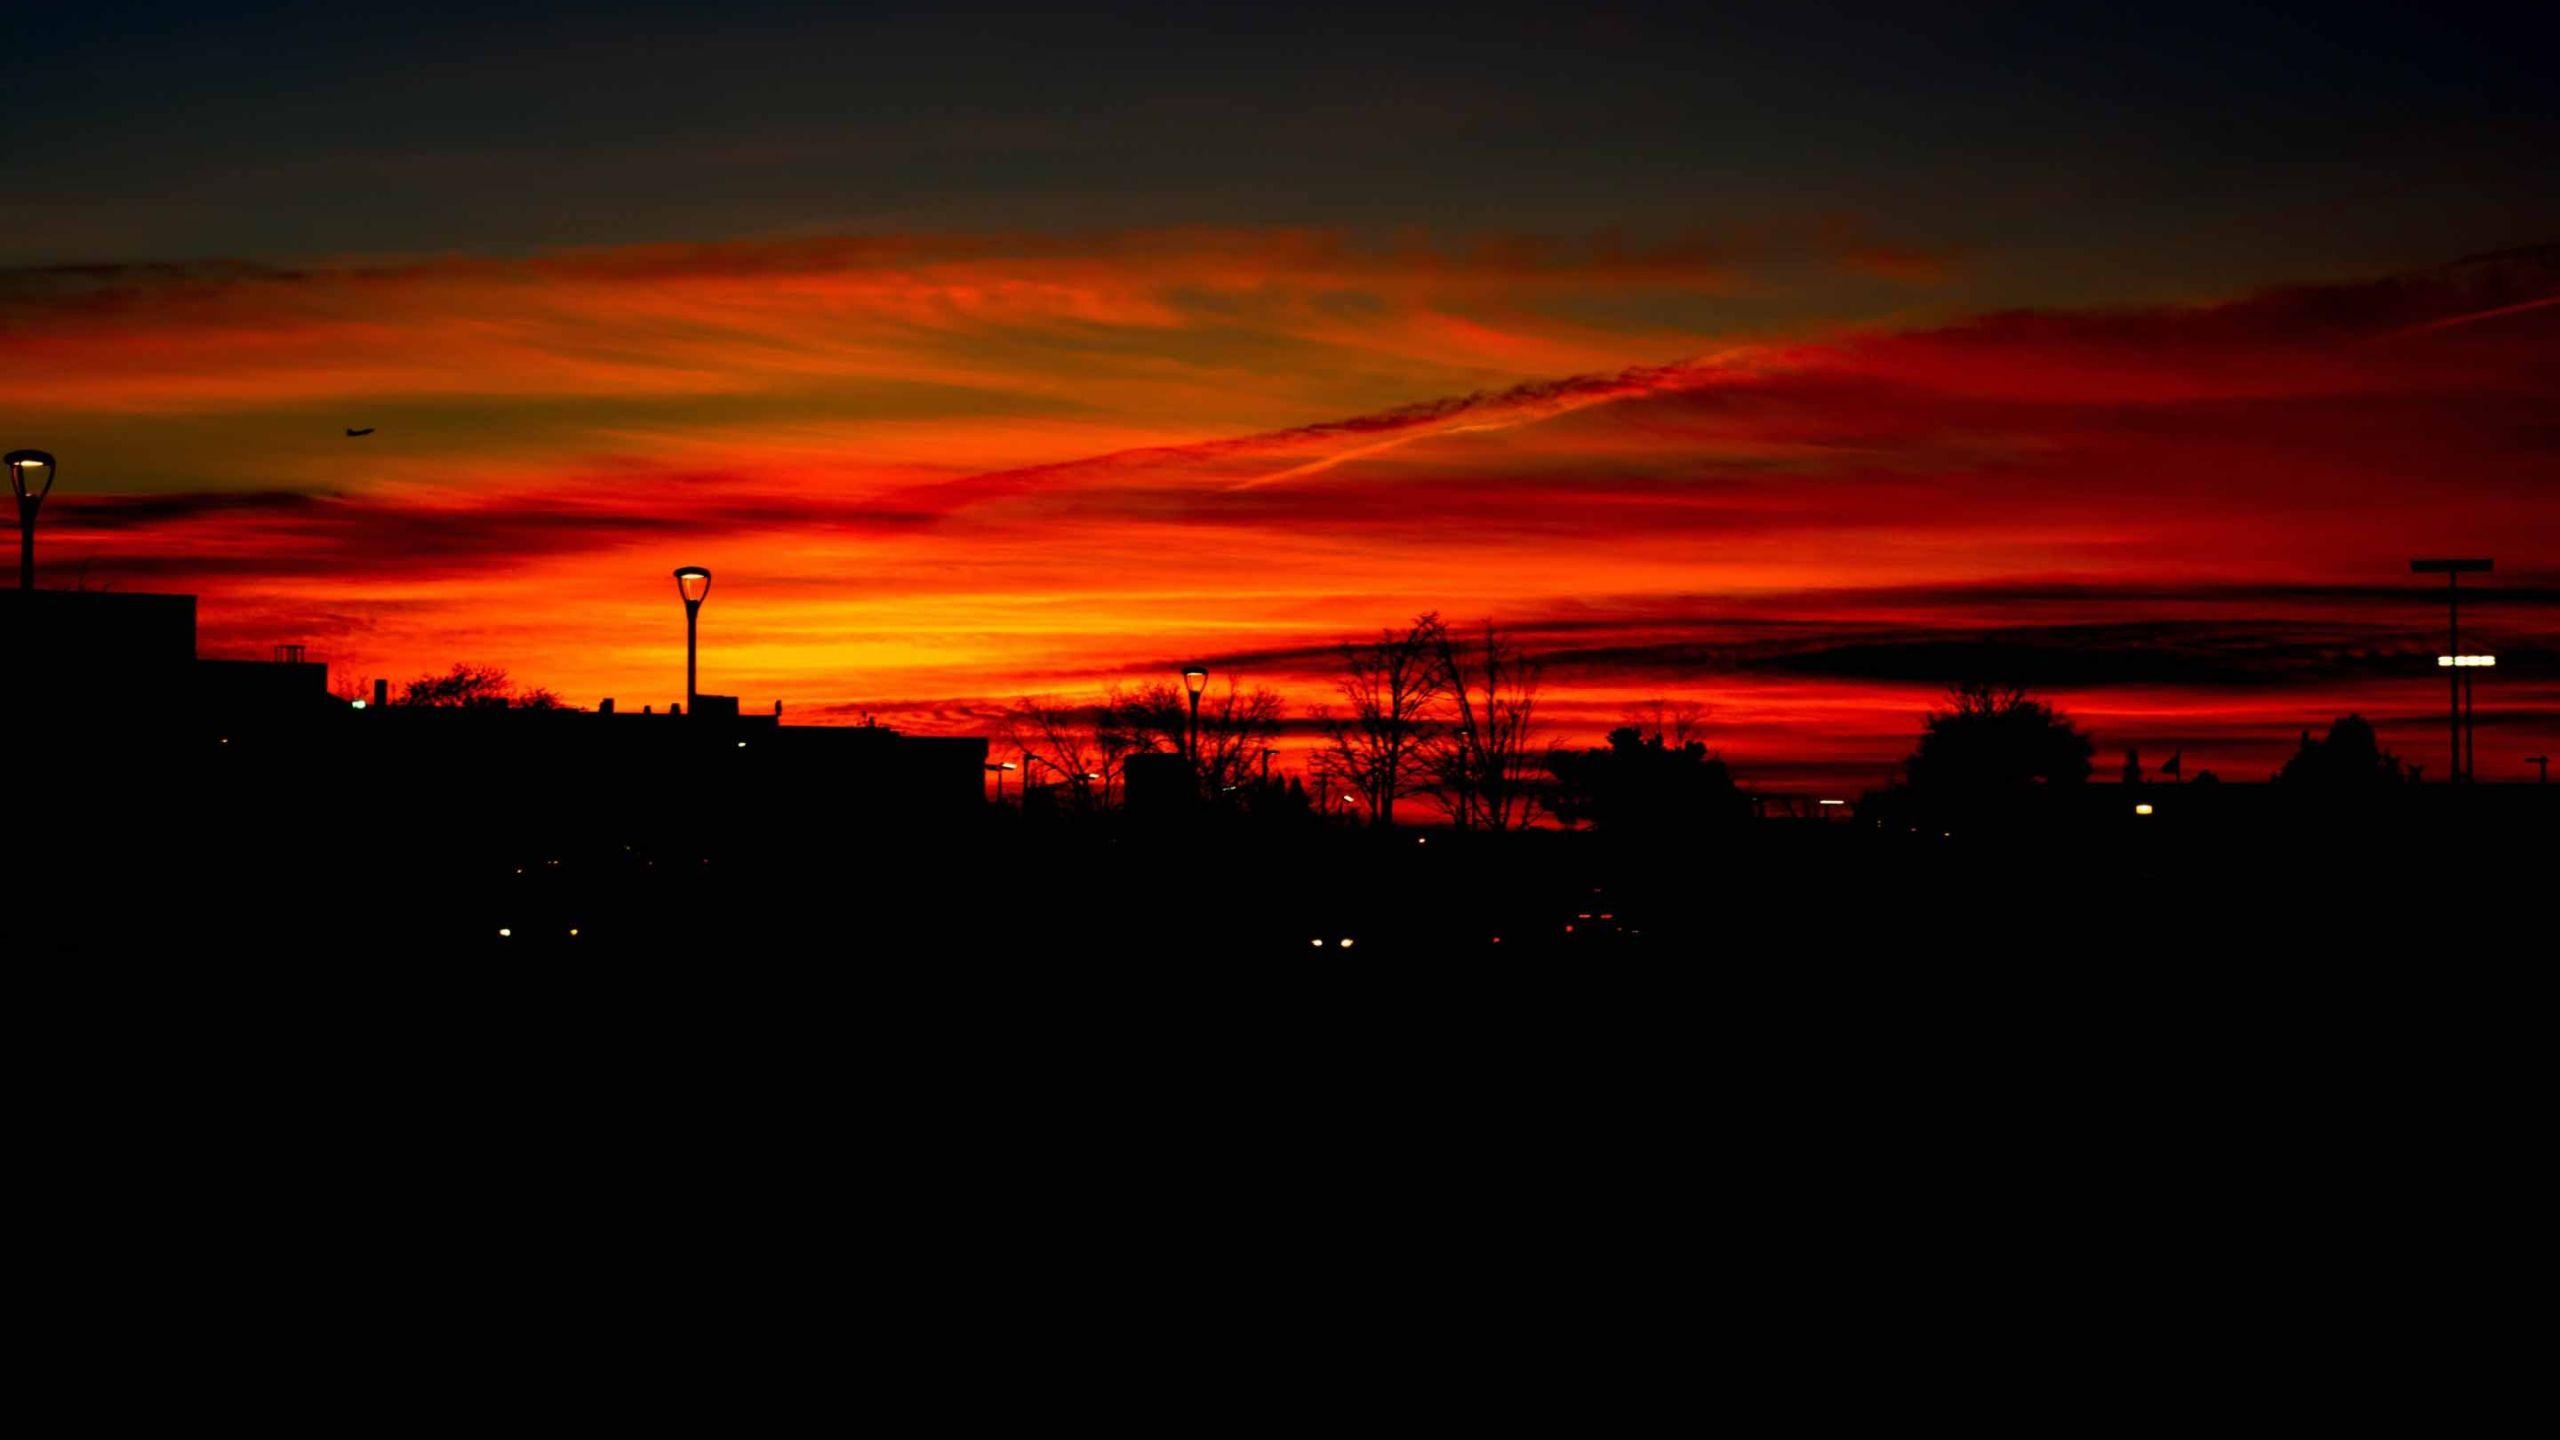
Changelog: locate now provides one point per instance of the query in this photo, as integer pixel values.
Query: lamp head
(1195, 678)
(22, 467)
(692, 582)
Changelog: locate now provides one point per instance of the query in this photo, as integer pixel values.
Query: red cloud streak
(936, 473)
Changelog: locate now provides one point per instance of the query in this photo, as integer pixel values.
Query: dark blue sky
(2134, 149)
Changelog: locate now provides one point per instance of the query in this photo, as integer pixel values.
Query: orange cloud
(935, 472)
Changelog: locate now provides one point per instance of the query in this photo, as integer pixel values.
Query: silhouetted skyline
(1793, 364)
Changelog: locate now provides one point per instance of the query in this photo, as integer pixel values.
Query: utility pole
(2453, 571)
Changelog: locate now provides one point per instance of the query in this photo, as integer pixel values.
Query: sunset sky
(1788, 365)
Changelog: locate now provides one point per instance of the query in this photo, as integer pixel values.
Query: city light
(2141, 809)
(22, 467)
(1195, 678)
(693, 584)
(2465, 660)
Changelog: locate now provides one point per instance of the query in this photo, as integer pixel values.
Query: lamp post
(2452, 571)
(2541, 768)
(22, 464)
(1195, 678)
(2462, 667)
(1000, 769)
(692, 582)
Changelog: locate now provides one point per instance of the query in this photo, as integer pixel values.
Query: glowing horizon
(937, 472)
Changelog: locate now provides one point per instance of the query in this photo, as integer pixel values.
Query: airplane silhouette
(365, 431)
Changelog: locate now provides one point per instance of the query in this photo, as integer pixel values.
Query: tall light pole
(2542, 768)
(2453, 571)
(1195, 678)
(1000, 769)
(22, 465)
(2463, 666)
(693, 583)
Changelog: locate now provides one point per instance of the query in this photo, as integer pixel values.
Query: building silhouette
(118, 710)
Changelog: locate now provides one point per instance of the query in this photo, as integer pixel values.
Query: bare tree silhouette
(1392, 689)
(1478, 768)
(1675, 722)
(1152, 716)
(472, 687)
(1070, 740)
(1235, 725)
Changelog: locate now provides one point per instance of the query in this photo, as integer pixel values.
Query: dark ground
(2116, 1125)
(115, 867)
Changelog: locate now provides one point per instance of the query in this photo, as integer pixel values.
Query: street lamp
(1000, 769)
(2462, 666)
(22, 465)
(1195, 678)
(2452, 571)
(692, 582)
